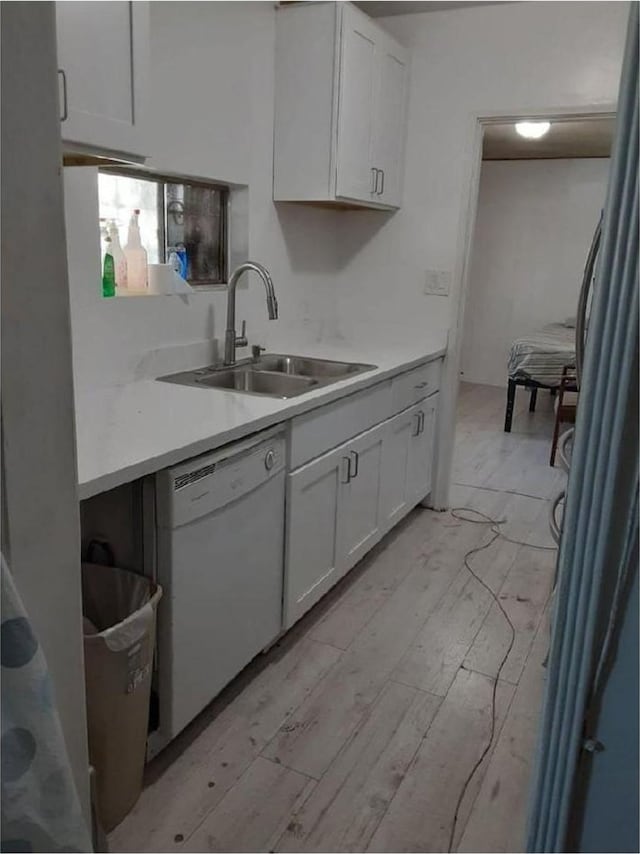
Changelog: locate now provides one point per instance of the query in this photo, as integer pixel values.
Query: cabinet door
(357, 75)
(421, 452)
(103, 54)
(394, 490)
(389, 126)
(360, 506)
(314, 504)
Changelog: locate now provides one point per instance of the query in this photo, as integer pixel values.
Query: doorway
(531, 225)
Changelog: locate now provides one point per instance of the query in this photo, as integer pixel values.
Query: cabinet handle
(381, 190)
(374, 172)
(417, 430)
(65, 102)
(421, 421)
(346, 469)
(421, 385)
(356, 459)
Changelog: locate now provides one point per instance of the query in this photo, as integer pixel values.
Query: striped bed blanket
(542, 355)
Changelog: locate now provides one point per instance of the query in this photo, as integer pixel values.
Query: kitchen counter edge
(291, 407)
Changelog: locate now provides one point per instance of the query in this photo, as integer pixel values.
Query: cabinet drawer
(415, 385)
(317, 432)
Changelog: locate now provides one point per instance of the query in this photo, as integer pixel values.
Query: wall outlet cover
(437, 282)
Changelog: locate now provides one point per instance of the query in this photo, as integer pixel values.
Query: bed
(537, 361)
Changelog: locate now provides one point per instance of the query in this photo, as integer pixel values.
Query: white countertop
(127, 431)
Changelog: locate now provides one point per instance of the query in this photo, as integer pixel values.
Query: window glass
(195, 221)
(120, 195)
(189, 218)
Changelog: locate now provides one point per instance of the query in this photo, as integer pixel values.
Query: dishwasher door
(220, 560)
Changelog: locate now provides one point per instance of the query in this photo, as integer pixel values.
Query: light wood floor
(356, 732)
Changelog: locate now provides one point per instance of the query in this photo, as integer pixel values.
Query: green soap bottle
(108, 271)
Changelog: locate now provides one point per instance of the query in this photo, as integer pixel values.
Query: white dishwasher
(219, 555)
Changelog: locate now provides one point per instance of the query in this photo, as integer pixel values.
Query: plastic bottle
(118, 256)
(174, 261)
(136, 257)
(108, 271)
(184, 262)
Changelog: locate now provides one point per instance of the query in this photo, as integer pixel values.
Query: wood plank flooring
(356, 732)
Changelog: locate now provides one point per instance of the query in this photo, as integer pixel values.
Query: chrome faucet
(231, 340)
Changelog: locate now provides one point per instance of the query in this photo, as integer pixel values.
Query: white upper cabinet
(103, 61)
(356, 106)
(340, 120)
(388, 142)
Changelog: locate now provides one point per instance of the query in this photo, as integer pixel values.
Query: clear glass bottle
(136, 257)
(119, 259)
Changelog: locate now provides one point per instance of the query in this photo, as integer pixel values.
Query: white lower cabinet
(332, 519)
(359, 523)
(407, 461)
(314, 503)
(340, 504)
(394, 498)
(421, 451)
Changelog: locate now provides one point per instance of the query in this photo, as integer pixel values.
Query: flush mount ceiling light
(532, 130)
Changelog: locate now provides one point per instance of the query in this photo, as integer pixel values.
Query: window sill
(194, 289)
(201, 289)
(143, 295)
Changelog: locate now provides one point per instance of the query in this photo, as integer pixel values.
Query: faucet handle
(256, 349)
(241, 340)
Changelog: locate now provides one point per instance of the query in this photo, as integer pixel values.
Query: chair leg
(511, 399)
(554, 441)
(533, 399)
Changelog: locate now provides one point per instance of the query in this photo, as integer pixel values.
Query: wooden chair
(566, 404)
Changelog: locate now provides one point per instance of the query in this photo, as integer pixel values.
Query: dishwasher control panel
(205, 484)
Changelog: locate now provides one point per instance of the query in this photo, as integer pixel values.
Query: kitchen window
(178, 214)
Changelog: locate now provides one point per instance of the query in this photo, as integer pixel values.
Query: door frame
(475, 124)
(40, 514)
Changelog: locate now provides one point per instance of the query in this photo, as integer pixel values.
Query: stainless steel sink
(307, 367)
(271, 375)
(257, 382)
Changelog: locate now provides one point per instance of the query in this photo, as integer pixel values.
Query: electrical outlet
(437, 283)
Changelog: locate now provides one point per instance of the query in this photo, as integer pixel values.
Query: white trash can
(119, 609)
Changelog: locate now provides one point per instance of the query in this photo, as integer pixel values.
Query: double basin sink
(271, 375)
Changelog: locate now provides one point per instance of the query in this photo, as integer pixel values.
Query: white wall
(506, 59)
(41, 528)
(339, 273)
(534, 226)
(212, 116)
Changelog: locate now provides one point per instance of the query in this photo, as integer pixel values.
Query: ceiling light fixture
(532, 130)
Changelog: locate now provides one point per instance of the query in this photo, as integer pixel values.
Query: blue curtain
(598, 553)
